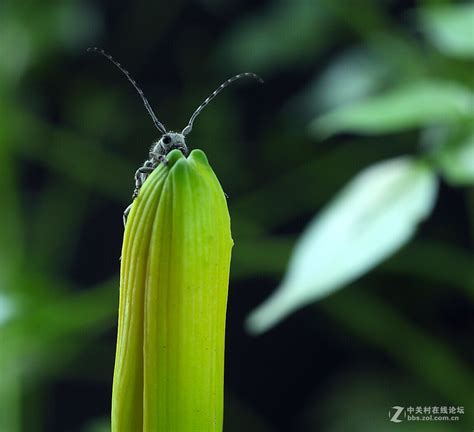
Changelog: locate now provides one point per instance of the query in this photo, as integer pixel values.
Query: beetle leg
(162, 159)
(140, 176)
(126, 213)
(159, 157)
(145, 170)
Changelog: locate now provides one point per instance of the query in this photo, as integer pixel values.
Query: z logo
(395, 417)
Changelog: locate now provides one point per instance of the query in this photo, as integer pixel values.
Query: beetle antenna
(189, 127)
(157, 123)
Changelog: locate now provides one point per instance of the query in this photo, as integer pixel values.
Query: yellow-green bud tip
(173, 293)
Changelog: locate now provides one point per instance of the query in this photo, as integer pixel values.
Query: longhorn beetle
(169, 140)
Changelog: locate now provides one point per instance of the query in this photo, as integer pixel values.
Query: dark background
(72, 133)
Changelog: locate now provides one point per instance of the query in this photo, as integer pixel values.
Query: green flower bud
(169, 367)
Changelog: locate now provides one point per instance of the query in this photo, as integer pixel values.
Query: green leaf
(352, 76)
(450, 28)
(456, 159)
(262, 42)
(7, 308)
(408, 106)
(373, 216)
(98, 425)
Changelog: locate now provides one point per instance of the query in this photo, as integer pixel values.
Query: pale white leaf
(450, 28)
(370, 219)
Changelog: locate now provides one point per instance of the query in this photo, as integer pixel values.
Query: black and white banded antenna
(156, 122)
(189, 127)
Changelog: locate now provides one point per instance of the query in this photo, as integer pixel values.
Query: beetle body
(169, 140)
(158, 152)
(157, 155)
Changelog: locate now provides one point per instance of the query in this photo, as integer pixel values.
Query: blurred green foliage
(346, 87)
(379, 210)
